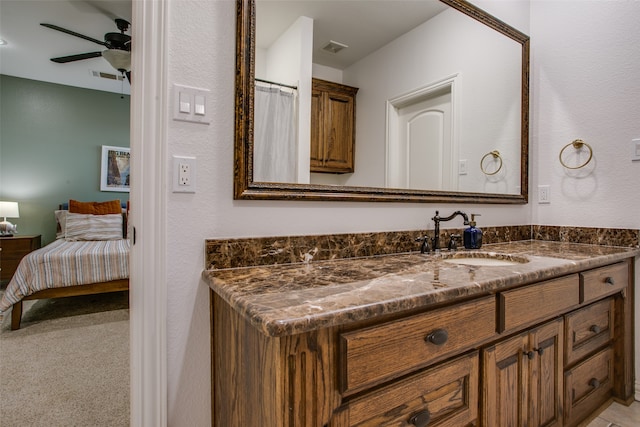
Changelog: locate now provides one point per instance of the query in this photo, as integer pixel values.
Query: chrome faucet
(437, 219)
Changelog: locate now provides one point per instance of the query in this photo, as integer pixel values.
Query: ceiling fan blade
(128, 74)
(73, 33)
(71, 58)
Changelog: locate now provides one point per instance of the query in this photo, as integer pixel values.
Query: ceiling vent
(334, 47)
(108, 76)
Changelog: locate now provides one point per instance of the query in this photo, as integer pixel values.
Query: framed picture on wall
(114, 171)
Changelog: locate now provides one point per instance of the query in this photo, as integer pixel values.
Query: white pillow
(61, 220)
(93, 227)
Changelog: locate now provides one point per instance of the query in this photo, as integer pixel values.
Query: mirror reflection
(347, 98)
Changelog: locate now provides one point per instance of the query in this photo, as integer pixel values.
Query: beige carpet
(68, 364)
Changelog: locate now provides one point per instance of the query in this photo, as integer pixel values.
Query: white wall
(327, 73)
(585, 84)
(487, 94)
(201, 53)
(567, 102)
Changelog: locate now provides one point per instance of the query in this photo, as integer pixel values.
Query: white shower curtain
(275, 155)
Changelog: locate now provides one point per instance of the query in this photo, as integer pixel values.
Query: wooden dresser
(12, 250)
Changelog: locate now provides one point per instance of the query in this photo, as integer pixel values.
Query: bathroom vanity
(541, 333)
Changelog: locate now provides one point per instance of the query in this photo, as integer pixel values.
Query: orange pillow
(95, 208)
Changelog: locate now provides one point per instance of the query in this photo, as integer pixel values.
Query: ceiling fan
(118, 52)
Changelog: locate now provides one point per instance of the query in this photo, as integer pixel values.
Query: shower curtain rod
(277, 84)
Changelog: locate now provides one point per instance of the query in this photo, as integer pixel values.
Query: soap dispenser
(472, 234)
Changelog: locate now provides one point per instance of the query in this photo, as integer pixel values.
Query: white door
(425, 132)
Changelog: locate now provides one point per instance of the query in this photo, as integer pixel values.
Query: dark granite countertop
(293, 298)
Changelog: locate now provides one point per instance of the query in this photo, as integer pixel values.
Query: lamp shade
(9, 210)
(119, 59)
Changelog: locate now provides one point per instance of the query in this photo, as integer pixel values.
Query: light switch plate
(635, 150)
(462, 167)
(190, 104)
(544, 194)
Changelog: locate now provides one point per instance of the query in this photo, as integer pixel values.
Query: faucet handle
(425, 246)
(453, 242)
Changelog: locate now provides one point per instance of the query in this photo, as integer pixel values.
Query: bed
(89, 256)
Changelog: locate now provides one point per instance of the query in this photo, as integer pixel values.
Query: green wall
(50, 147)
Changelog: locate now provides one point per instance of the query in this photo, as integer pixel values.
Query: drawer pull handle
(593, 382)
(595, 329)
(421, 419)
(609, 281)
(438, 337)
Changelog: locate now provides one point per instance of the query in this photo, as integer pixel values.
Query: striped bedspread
(64, 263)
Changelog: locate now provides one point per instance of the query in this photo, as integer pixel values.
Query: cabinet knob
(609, 281)
(438, 337)
(530, 354)
(421, 419)
(540, 350)
(593, 382)
(595, 329)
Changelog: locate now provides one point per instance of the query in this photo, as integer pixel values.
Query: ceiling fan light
(119, 59)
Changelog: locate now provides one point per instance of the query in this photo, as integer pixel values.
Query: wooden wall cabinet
(333, 127)
(569, 351)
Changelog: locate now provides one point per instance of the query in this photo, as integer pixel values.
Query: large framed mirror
(434, 109)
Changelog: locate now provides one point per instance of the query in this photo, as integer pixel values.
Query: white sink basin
(484, 259)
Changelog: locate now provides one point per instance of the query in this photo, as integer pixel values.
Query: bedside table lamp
(8, 210)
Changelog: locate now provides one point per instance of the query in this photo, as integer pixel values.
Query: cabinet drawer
(595, 284)
(588, 385)
(443, 396)
(16, 245)
(378, 353)
(588, 329)
(12, 250)
(530, 304)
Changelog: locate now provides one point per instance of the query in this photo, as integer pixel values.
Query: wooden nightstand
(12, 250)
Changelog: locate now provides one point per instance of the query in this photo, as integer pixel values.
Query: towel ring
(577, 144)
(496, 155)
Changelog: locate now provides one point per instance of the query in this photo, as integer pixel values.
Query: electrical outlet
(544, 194)
(184, 174)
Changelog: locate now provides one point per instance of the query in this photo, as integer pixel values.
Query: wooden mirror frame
(245, 188)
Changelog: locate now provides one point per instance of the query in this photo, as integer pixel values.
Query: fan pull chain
(122, 87)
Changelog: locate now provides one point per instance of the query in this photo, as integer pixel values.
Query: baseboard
(638, 391)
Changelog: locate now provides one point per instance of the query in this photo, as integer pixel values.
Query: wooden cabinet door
(522, 379)
(317, 131)
(546, 374)
(339, 136)
(332, 127)
(505, 383)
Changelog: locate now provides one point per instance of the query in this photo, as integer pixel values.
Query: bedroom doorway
(147, 296)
